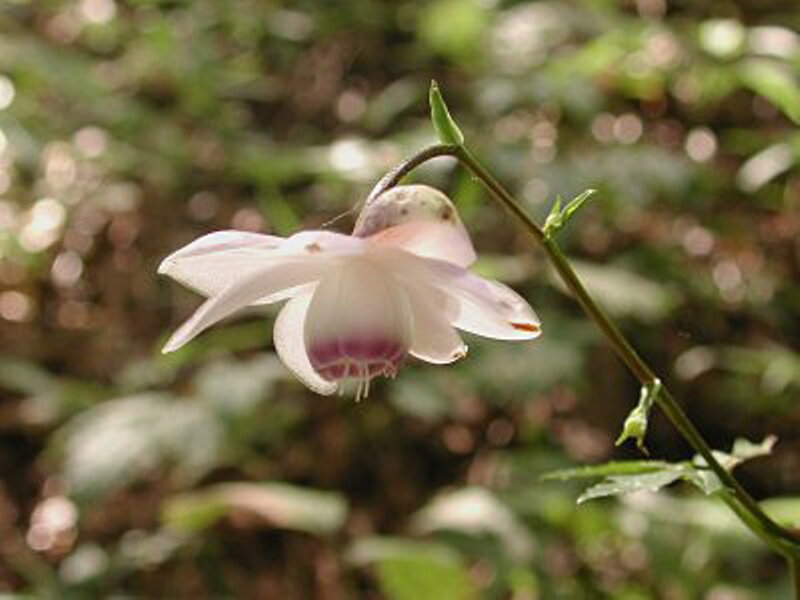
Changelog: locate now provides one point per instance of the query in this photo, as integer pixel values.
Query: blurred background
(129, 128)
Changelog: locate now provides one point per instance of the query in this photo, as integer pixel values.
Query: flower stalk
(738, 499)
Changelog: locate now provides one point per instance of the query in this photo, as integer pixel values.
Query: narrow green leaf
(774, 81)
(623, 467)
(627, 484)
(276, 504)
(444, 124)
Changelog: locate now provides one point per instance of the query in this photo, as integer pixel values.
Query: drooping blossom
(357, 304)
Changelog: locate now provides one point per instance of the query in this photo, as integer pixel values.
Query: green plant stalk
(740, 501)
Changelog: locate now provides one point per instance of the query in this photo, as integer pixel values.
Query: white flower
(357, 304)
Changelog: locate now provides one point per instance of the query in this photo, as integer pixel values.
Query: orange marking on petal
(529, 327)
(313, 247)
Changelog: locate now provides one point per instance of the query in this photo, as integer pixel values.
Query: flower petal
(241, 292)
(494, 310)
(418, 219)
(445, 241)
(480, 306)
(360, 304)
(433, 339)
(212, 262)
(289, 337)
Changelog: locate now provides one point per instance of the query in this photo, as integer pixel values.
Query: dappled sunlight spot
(53, 525)
(694, 362)
(350, 156)
(87, 562)
(663, 50)
(774, 40)
(458, 439)
(628, 128)
(43, 225)
(7, 92)
(728, 277)
(8, 215)
(16, 306)
(536, 190)
(203, 206)
(5, 184)
(654, 9)
(603, 128)
(500, 432)
(582, 441)
(66, 269)
(723, 38)
(701, 144)
(523, 35)
(350, 106)
(698, 241)
(765, 166)
(60, 168)
(248, 219)
(97, 12)
(92, 142)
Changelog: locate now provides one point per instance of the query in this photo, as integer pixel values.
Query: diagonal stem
(742, 503)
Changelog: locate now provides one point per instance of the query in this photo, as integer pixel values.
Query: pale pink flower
(357, 304)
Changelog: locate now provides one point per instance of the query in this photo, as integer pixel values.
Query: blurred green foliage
(129, 128)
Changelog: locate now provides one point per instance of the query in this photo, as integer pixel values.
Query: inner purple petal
(356, 357)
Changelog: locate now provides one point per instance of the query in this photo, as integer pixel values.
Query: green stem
(757, 520)
(794, 570)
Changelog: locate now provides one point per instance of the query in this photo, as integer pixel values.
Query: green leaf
(558, 217)
(418, 578)
(785, 510)
(414, 570)
(626, 467)
(275, 504)
(446, 128)
(635, 426)
(454, 28)
(625, 477)
(128, 439)
(626, 484)
(776, 82)
(477, 511)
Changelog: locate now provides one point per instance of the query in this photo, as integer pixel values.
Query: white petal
(434, 339)
(359, 300)
(481, 306)
(241, 292)
(212, 262)
(419, 219)
(446, 241)
(322, 243)
(494, 310)
(289, 336)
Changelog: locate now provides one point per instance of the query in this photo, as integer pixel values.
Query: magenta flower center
(360, 358)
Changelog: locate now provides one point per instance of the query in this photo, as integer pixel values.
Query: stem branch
(740, 501)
